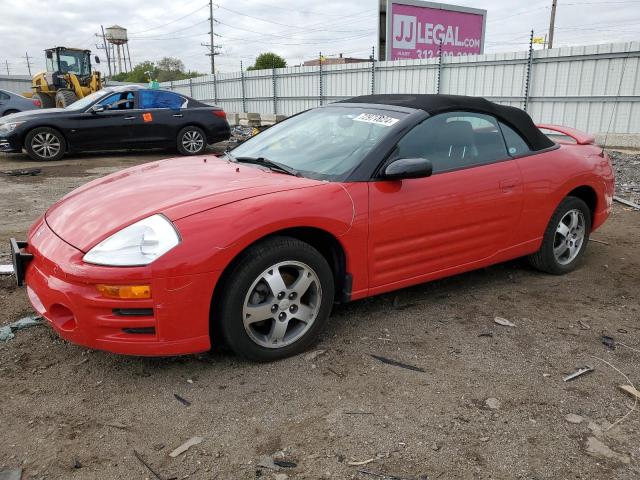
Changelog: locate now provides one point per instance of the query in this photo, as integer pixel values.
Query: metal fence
(15, 83)
(594, 88)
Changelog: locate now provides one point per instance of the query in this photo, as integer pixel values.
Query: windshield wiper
(270, 164)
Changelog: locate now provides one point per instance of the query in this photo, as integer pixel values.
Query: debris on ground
(631, 391)
(396, 363)
(311, 356)
(578, 373)
(148, 467)
(13, 474)
(360, 463)
(504, 322)
(6, 332)
(573, 418)
(609, 342)
(627, 170)
(23, 172)
(626, 202)
(596, 448)
(182, 400)
(280, 476)
(186, 446)
(584, 325)
(492, 403)
(602, 242)
(285, 464)
(265, 461)
(6, 269)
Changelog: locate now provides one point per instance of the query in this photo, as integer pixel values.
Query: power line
(172, 21)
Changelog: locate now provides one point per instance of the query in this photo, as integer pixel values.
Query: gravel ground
(489, 402)
(627, 167)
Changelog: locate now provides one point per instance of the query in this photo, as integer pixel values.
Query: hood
(29, 114)
(175, 188)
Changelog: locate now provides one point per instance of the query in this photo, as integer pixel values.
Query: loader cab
(63, 60)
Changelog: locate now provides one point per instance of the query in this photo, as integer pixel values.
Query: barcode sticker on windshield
(377, 119)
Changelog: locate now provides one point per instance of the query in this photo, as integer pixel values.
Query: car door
(463, 213)
(161, 118)
(109, 129)
(4, 102)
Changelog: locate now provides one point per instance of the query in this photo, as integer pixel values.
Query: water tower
(117, 37)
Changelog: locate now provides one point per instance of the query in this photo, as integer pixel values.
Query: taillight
(37, 103)
(220, 113)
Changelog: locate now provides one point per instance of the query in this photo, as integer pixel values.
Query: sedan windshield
(324, 143)
(88, 100)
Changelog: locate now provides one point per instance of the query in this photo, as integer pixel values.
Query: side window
(454, 140)
(515, 144)
(160, 99)
(4, 96)
(119, 101)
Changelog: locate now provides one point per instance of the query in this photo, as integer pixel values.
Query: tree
(268, 60)
(139, 73)
(170, 64)
(165, 70)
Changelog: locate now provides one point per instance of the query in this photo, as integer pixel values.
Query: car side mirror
(97, 108)
(403, 168)
(97, 59)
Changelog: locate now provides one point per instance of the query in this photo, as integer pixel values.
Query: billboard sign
(418, 29)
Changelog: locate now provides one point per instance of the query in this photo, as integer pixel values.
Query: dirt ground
(490, 402)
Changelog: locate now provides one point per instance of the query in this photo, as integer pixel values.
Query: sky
(293, 29)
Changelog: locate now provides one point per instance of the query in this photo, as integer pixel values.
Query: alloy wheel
(46, 145)
(192, 141)
(569, 237)
(282, 304)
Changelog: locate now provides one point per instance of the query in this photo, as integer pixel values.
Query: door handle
(129, 118)
(179, 115)
(510, 184)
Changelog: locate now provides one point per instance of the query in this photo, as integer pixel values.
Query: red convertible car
(335, 204)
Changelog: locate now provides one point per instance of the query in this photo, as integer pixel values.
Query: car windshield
(88, 100)
(325, 143)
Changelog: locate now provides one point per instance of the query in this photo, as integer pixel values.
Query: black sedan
(116, 118)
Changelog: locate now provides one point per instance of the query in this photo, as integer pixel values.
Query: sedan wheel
(565, 238)
(191, 141)
(275, 300)
(282, 304)
(45, 144)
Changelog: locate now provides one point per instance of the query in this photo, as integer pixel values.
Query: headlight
(9, 126)
(137, 244)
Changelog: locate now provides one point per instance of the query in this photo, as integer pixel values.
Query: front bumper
(62, 288)
(10, 144)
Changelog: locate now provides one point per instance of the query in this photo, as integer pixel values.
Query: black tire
(228, 312)
(33, 144)
(45, 100)
(9, 112)
(65, 97)
(545, 258)
(191, 140)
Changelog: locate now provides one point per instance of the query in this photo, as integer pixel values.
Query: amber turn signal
(125, 291)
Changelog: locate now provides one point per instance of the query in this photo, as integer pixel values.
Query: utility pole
(26, 56)
(6, 62)
(552, 23)
(211, 44)
(106, 49)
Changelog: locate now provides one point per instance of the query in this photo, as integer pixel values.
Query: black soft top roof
(517, 119)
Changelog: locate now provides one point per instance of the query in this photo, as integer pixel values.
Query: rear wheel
(192, 140)
(276, 300)
(65, 97)
(45, 144)
(45, 101)
(565, 238)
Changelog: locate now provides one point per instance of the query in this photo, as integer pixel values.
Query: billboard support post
(244, 99)
(320, 78)
(527, 83)
(439, 69)
(373, 70)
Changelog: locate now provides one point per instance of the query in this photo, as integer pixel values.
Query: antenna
(617, 102)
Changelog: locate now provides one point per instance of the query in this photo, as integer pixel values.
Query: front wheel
(192, 141)
(565, 238)
(276, 300)
(45, 144)
(65, 97)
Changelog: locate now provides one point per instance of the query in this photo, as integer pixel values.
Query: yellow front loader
(67, 78)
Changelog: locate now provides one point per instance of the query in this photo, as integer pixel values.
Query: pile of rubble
(627, 168)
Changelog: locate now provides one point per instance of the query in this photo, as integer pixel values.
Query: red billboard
(417, 29)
